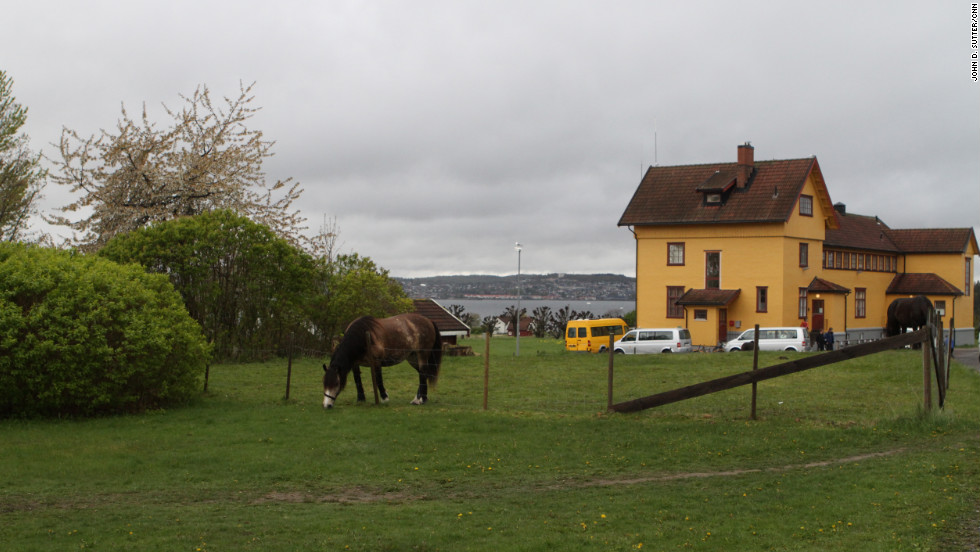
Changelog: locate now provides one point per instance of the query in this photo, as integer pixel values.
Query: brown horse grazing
(378, 342)
(908, 313)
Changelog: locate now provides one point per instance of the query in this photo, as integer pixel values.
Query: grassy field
(841, 457)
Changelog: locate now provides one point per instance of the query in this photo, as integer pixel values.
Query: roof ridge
(716, 163)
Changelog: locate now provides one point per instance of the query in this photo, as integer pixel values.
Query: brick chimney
(746, 164)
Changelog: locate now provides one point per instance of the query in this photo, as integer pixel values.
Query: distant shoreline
(530, 287)
(496, 307)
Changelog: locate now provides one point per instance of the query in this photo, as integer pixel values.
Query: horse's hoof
(418, 401)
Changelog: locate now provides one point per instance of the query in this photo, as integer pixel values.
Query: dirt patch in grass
(365, 495)
(729, 473)
(352, 495)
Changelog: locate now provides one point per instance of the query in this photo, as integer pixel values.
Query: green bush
(246, 287)
(82, 335)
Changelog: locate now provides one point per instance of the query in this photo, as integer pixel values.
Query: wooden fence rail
(805, 363)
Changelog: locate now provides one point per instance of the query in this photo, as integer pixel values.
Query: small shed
(450, 327)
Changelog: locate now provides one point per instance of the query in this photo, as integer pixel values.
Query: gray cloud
(439, 133)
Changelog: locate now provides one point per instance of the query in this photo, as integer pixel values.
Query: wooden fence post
(609, 383)
(939, 359)
(755, 366)
(374, 373)
(950, 346)
(486, 370)
(289, 366)
(926, 372)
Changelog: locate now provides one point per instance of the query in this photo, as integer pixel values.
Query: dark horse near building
(911, 313)
(379, 342)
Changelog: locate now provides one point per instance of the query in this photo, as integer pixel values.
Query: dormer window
(716, 187)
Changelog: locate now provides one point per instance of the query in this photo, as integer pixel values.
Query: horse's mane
(354, 344)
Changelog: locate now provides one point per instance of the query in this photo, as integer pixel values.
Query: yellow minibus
(592, 335)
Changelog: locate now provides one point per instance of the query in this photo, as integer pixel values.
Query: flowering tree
(139, 174)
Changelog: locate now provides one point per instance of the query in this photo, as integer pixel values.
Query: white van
(771, 339)
(654, 340)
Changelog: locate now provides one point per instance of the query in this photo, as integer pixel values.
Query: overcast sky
(438, 134)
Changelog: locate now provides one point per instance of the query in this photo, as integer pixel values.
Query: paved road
(968, 356)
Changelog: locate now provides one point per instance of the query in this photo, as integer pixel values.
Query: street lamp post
(517, 322)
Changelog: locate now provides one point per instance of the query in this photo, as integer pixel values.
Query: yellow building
(723, 246)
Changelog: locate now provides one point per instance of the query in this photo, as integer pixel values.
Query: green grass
(841, 457)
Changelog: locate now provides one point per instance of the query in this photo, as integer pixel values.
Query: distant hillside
(569, 287)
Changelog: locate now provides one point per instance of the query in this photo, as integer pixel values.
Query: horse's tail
(434, 363)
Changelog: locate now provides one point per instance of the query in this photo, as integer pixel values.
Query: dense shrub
(254, 293)
(245, 286)
(81, 335)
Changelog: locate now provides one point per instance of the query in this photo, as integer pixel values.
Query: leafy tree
(511, 315)
(489, 324)
(21, 175)
(472, 320)
(582, 315)
(81, 335)
(459, 311)
(140, 174)
(351, 286)
(541, 319)
(630, 319)
(559, 321)
(468, 318)
(248, 288)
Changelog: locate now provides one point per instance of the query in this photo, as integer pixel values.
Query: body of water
(496, 307)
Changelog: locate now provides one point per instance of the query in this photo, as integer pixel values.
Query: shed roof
(921, 284)
(443, 319)
(708, 297)
(819, 285)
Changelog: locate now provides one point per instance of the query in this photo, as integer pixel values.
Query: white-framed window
(806, 205)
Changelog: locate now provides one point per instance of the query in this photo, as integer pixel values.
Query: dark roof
(921, 284)
(443, 320)
(708, 297)
(860, 232)
(872, 234)
(675, 195)
(932, 240)
(819, 285)
(718, 182)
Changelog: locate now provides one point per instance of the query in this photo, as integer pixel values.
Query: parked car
(592, 335)
(771, 339)
(654, 340)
